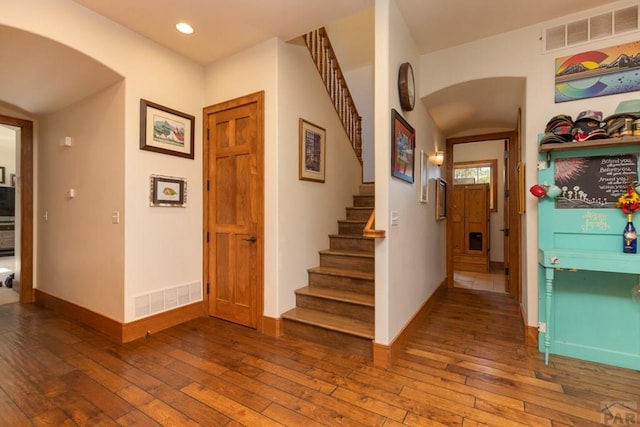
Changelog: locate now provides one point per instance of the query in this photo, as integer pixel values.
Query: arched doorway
(24, 200)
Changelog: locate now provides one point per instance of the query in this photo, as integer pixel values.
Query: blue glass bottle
(630, 237)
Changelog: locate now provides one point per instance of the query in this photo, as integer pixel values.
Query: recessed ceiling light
(184, 28)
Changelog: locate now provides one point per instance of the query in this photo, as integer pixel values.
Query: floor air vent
(596, 27)
(167, 299)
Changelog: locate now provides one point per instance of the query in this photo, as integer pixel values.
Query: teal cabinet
(585, 280)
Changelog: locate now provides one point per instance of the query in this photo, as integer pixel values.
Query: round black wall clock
(406, 87)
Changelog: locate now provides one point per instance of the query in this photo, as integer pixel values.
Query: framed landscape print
(166, 131)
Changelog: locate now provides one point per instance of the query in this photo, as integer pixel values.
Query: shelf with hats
(592, 143)
(591, 130)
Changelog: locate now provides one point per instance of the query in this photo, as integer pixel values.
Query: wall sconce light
(438, 158)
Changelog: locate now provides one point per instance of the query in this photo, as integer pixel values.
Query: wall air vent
(596, 27)
(158, 301)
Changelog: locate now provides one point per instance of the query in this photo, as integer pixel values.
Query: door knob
(251, 239)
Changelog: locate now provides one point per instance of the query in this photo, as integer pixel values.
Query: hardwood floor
(493, 282)
(466, 366)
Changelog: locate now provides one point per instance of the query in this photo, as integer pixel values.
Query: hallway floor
(466, 365)
(492, 282)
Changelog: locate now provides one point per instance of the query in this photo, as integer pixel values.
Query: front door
(234, 209)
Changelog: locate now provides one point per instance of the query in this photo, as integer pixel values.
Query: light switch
(115, 217)
(71, 193)
(395, 218)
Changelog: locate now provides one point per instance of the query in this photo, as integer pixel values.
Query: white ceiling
(227, 26)
(223, 27)
(41, 82)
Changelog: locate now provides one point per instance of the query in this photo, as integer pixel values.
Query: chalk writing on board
(594, 182)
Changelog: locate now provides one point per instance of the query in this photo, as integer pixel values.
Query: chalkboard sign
(594, 182)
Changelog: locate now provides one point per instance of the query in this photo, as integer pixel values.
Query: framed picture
(424, 177)
(166, 131)
(13, 180)
(168, 191)
(403, 142)
(2, 177)
(441, 199)
(311, 164)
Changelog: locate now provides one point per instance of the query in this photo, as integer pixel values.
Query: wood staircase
(337, 307)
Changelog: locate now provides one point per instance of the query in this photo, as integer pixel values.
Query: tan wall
(81, 253)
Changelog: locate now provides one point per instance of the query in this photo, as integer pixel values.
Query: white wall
(361, 86)
(163, 246)
(410, 261)
(489, 150)
(352, 39)
(299, 215)
(518, 53)
(308, 211)
(153, 238)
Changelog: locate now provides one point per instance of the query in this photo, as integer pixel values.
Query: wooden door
(470, 227)
(457, 215)
(234, 211)
(476, 203)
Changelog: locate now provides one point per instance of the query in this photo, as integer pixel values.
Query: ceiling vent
(596, 27)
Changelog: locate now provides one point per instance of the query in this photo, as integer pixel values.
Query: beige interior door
(234, 211)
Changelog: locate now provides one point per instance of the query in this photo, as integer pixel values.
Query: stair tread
(345, 252)
(353, 221)
(331, 321)
(341, 272)
(350, 236)
(338, 295)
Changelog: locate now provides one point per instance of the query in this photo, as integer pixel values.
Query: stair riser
(367, 189)
(341, 282)
(359, 214)
(352, 244)
(364, 201)
(364, 264)
(351, 227)
(340, 308)
(338, 340)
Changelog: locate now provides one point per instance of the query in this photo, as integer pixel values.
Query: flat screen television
(7, 202)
